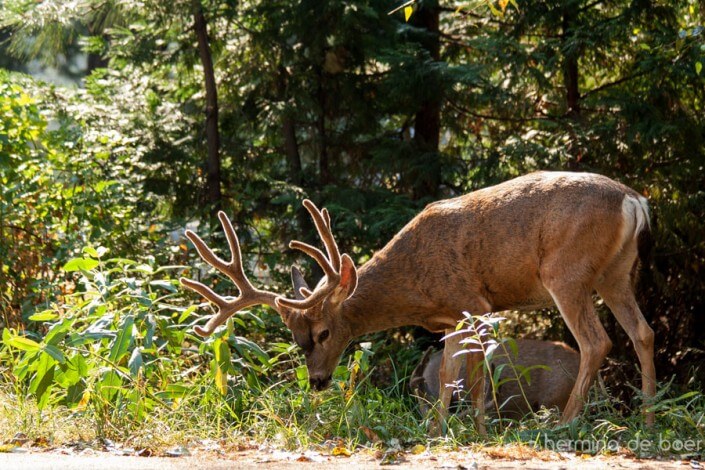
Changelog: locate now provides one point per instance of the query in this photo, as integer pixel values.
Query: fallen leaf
(418, 449)
(392, 457)
(41, 441)
(340, 450)
(179, 451)
(19, 439)
(370, 434)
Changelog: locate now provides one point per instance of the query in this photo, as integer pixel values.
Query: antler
(330, 265)
(249, 295)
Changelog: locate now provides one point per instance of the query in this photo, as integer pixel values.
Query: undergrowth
(117, 360)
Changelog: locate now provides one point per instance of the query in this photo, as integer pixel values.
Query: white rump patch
(635, 213)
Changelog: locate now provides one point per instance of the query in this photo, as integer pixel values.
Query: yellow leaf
(407, 12)
(418, 449)
(340, 450)
(503, 5)
(221, 381)
(85, 398)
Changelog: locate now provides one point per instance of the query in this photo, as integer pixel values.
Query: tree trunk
(570, 72)
(426, 174)
(323, 160)
(213, 176)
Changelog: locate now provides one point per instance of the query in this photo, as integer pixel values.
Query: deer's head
(314, 316)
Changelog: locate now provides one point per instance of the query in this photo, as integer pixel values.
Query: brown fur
(549, 385)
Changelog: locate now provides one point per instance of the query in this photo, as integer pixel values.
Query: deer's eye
(323, 336)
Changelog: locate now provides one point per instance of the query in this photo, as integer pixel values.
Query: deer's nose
(319, 383)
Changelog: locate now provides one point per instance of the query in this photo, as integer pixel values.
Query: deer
(537, 374)
(535, 241)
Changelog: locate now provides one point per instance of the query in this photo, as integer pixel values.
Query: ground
(507, 457)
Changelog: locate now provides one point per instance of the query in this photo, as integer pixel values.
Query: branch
(464, 110)
(22, 229)
(614, 83)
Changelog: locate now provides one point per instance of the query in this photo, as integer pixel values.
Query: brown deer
(546, 371)
(541, 239)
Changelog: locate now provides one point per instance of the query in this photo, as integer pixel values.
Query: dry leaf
(340, 450)
(418, 449)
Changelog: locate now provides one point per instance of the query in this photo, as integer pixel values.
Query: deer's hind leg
(575, 305)
(616, 289)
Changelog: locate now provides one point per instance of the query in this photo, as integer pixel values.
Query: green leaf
(135, 362)
(20, 342)
(58, 331)
(109, 384)
(221, 351)
(698, 67)
(186, 313)
(81, 264)
(164, 285)
(46, 315)
(174, 391)
(90, 251)
(72, 371)
(54, 352)
(122, 340)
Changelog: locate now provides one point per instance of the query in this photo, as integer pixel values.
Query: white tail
(538, 240)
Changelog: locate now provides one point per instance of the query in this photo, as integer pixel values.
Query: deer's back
(492, 242)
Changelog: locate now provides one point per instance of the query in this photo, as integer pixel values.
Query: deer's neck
(387, 296)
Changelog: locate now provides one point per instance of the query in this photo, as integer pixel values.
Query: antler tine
(318, 255)
(322, 221)
(249, 295)
(320, 293)
(235, 271)
(329, 264)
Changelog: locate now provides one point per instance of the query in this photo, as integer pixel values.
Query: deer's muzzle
(319, 383)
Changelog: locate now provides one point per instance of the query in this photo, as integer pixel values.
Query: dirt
(507, 457)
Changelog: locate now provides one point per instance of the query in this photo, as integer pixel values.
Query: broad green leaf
(90, 251)
(46, 315)
(20, 342)
(221, 380)
(109, 384)
(58, 331)
(43, 378)
(164, 285)
(123, 339)
(54, 352)
(135, 362)
(174, 391)
(72, 371)
(221, 351)
(244, 344)
(81, 264)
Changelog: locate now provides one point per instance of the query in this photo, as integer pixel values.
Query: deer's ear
(297, 279)
(348, 280)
